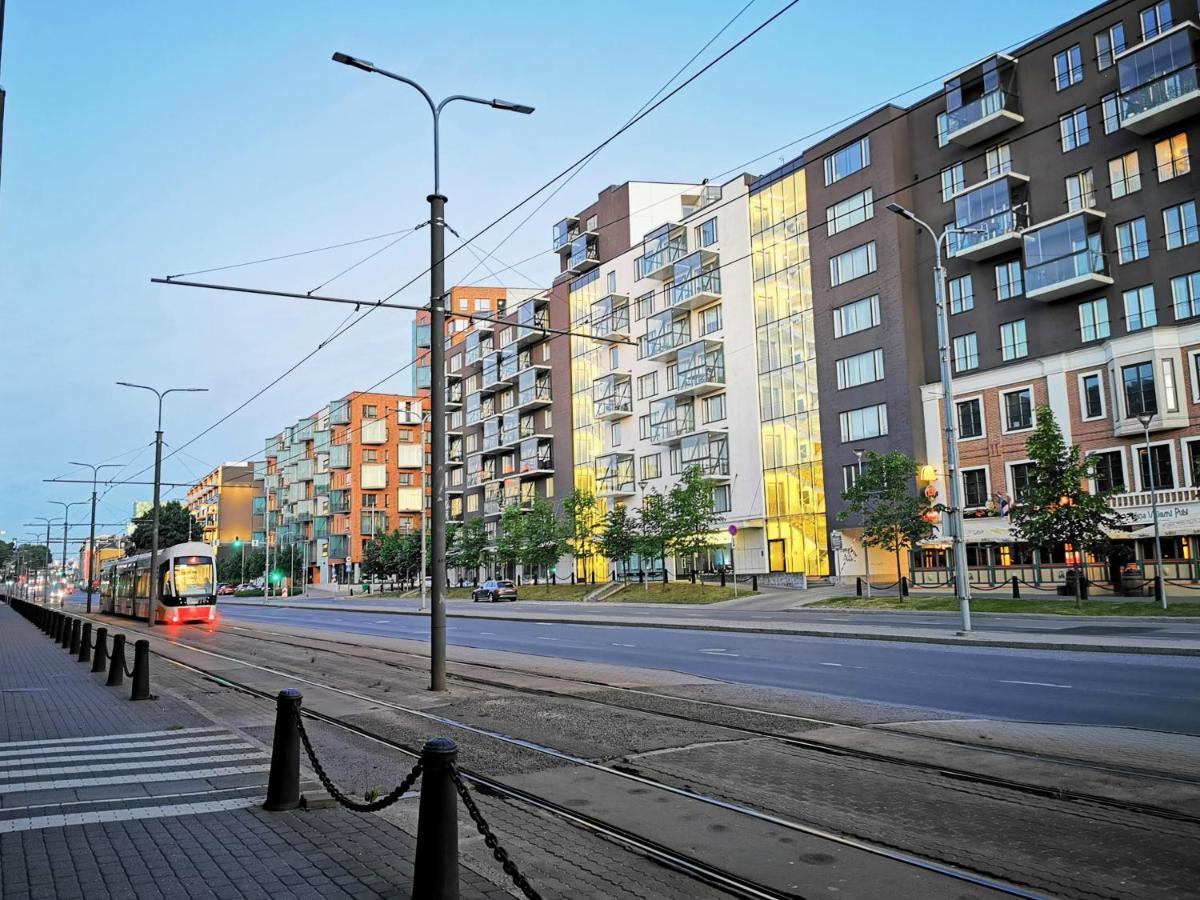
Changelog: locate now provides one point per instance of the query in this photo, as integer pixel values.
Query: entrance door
(777, 550)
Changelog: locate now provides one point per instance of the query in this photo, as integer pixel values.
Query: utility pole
(62, 568)
(91, 566)
(46, 573)
(1144, 419)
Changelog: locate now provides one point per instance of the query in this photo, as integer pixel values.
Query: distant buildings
(224, 504)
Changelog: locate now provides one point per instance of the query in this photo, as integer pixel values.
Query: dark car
(224, 590)
(495, 591)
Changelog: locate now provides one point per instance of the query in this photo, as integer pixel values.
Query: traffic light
(237, 543)
(276, 576)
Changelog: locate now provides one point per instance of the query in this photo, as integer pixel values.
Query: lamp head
(900, 211)
(352, 61)
(512, 107)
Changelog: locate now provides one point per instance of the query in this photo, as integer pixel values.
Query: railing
(989, 104)
(704, 283)
(1057, 271)
(1159, 92)
(1008, 221)
(664, 256)
(615, 322)
(674, 338)
(709, 373)
(540, 391)
(604, 406)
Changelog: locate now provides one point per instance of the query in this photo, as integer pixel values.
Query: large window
(1138, 380)
(1139, 308)
(1020, 475)
(1008, 280)
(975, 492)
(1180, 224)
(1124, 175)
(862, 368)
(857, 316)
(1185, 295)
(713, 408)
(1156, 19)
(1091, 396)
(1132, 243)
(706, 232)
(998, 160)
(850, 212)
(650, 466)
(962, 295)
(1073, 129)
(1018, 409)
(1093, 319)
(862, 424)
(1110, 111)
(1157, 472)
(647, 385)
(847, 160)
(1171, 157)
(966, 353)
(1013, 344)
(1068, 67)
(1108, 471)
(852, 264)
(1109, 43)
(970, 418)
(953, 181)
(1081, 191)
(709, 320)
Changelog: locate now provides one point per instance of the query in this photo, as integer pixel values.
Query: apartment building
(464, 301)
(223, 502)
(338, 478)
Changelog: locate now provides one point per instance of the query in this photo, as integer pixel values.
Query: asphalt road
(1160, 693)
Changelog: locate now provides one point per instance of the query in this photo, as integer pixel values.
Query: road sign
(835, 540)
(733, 529)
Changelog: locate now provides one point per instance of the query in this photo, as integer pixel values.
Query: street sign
(835, 540)
(733, 529)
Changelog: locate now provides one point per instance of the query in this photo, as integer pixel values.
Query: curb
(797, 632)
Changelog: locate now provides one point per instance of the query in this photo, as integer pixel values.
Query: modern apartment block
(464, 301)
(223, 502)
(340, 477)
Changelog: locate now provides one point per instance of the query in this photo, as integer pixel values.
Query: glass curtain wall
(588, 362)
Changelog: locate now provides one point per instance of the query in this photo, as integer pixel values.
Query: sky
(145, 139)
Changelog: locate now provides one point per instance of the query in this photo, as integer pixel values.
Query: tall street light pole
(437, 360)
(155, 584)
(866, 550)
(46, 573)
(91, 566)
(1144, 419)
(62, 568)
(962, 581)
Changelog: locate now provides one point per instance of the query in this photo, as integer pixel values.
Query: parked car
(224, 590)
(495, 591)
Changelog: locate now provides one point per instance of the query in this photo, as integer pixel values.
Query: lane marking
(133, 779)
(547, 639)
(40, 759)
(719, 652)
(33, 823)
(624, 645)
(96, 738)
(103, 746)
(1036, 683)
(39, 771)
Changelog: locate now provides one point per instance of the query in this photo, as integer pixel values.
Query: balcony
(585, 254)
(699, 369)
(693, 201)
(994, 212)
(661, 249)
(490, 379)
(565, 232)
(980, 102)
(1158, 80)
(454, 453)
(612, 397)
(339, 456)
(491, 437)
(536, 459)
(533, 390)
(1065, 256)
(666, 332)
(670, 420)
(610, 317)
(614, 475)
(533, 318)
(510, 429)
(339, 412)
(339, 545)
(339, 501)
(454, 395)
(708, 451)
(697, 280)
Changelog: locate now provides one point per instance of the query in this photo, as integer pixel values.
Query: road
(1159, 693)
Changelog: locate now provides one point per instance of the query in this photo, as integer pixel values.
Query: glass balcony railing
(694, 290)
(565, 232)
(974, 112)
(666, 333)
(614, 474)
(1160, 102)
(612, 397)
(670, 420)
(339, 501)
(536, 457)
(610, 317)
(989, 233)
(339, 545)
(339, 456)
(585, 254)
(707, 452)
(658, 261)
(1065, 257)
(339, 412)
(1054, 273)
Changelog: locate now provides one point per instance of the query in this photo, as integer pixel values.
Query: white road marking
(486, 632)
(39, 771)
(1036, 683)
(174, 732)
(839, 665)
(718, 652)
(624, 645)
(547, 639)
(120, 815)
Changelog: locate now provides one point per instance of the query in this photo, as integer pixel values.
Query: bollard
(722, 577)
(903, 585)
(283, 783)
(116, 663)
(435, 872)
(101, 650)
(75, 629)
(641, 576)
(85, 643)
(141, 671)
(56, 626)
(754, 583)
(1016, 584)
(64, 639)
(858, 586)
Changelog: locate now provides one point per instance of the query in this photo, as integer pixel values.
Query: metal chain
(490, 839)
(383, 802)
(128, 669)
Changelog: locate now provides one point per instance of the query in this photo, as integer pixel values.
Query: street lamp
(858, 453)
(66, 515)
(1144, 419)
(155, 585)
(238, 543)
(437, 360)
(91, 567)
(962, 581)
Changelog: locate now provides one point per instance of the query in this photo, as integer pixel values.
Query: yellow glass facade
(793, 477)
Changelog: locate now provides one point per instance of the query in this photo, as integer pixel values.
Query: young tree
(508, 538)
(1056, 507)
(693, 517)
(583, 518)
(544, 537)
(470, 546)
(893, 513)
(654, 529)
(618, 540)
(175, 524)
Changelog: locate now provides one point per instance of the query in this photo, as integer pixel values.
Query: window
(614, 358)
(970, 418)
(857, 316)
(966, 353)
(721, 502)
(848, 160)
(706, 232)
(370, 412)
(1132, 243)
(1156, 19)
(962, 295)
(611, 282)
(1091, 396)
(1157, 472)
(1018, 409)
(473, 502)
(1008, 280)
(1171, 158)
(1108, 471)
(1180, 224)
(1073, 129)
(1020, 475)
(591, 223)
(1081, 191)
(1109, 43)
(849, 475)
(852, 264)
(953, 181)
(999, 160)
(643, 306)
(615, 434)
(1111, 113)
(1124, 176)
(1068, 67)
(1185, 295)
(643, 427)
(1139, 389)
(975, 492)
(650, 466)
(1013, 344)
(1093, 320)
(483, 306)
(864, 423)
(370, 455)
(714, 408)
(647, 385)
(1139, 308)
(862, 368)
(1170, 393)
(709, 320)
(850, 212)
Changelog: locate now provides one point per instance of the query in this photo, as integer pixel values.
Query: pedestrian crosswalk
(119, 777)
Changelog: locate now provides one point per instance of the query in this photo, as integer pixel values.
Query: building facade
(223, 503)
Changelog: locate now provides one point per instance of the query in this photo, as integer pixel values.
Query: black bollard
(85, 643)
(65, 638)
(75, 630)
(1016, 584)
(593, 577)
(572, 578)
(903, 585)
(754, 583)
(858, 586)
(141, 671)
(554, 578)
(56, 627)
(101, 650)
(116, 663)
(283, 782)
(435, 872)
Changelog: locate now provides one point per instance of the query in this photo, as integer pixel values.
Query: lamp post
(91, 566)
(62, 569)
(858, 453)
(46, 572)
(962, 581)
(238, 542)
(155, 585)
(1144, 419)
(437, 360)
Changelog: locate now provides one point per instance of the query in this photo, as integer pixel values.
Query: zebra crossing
(119, 777)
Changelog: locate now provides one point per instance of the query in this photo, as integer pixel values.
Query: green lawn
(675, 592)
(537, 592)
(1000, 605)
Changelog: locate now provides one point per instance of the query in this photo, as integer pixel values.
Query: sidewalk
(102, 797)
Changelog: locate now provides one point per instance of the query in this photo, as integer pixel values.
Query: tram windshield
(193, 575)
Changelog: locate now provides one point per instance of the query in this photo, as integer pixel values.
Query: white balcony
(1159, 84)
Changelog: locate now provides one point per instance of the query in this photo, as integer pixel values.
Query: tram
(188, 580)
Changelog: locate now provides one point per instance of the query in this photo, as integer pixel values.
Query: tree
(32, 556)
(508, 539)
(692, 515)
(582, 520)
(544, 537)
(7, 550)
(176, 525)
(654, 529)
(618, 539)
(469, 546)
(894, 516)
(1055, 507)
(229, 567)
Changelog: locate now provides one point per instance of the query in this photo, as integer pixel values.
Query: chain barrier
(998, 587)
(382, 803)
(490, 839)
(1183, 584)
(129, 670)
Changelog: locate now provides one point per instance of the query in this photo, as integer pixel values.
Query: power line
(255, 262)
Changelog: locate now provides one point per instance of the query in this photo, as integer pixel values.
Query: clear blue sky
(150, 138)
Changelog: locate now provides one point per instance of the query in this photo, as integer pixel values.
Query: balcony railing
(658, 262)
(665, 334)
(982, 118)
(612, 397)
(1066, 270)
(565, 232)
(610, 317)
(614, 475)
(536, 394)
(1158, 79)
(998, 233)
(670, 421)
(707, 452)
(697, 290)
(1065, 256)
(585, 255)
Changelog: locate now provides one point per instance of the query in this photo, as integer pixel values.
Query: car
(224, 590)
(495, 591)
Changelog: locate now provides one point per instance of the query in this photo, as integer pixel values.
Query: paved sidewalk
(103, 797)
